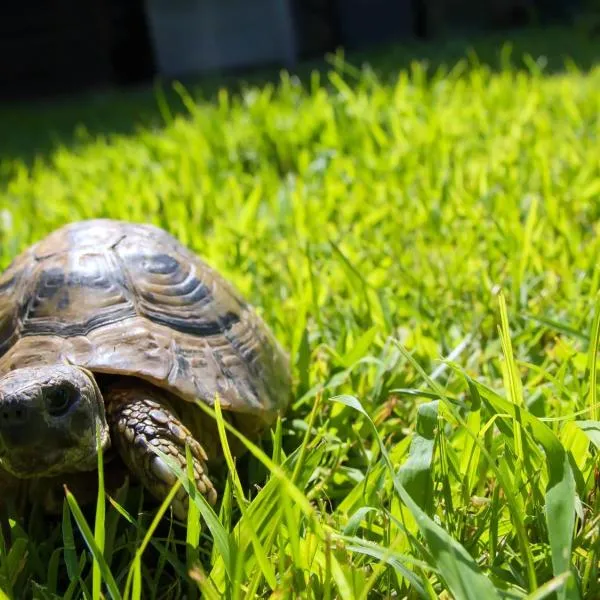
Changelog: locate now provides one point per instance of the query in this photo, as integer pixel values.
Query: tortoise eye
(59, 400)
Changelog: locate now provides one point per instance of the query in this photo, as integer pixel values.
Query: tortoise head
(48, 421)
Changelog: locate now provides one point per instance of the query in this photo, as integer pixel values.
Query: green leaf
(69, 543)
(259, 551)
(560, 491)
(557, 326)
(592, 430)
(455, 564)
(396, 560)
(99, 523)
(415, 474)
(225, 545)
(134, 576)
(90, 541)
(264, 512)
(354, 521)
(294, 494)
(360, 347)
(556, 584)
(592, 365)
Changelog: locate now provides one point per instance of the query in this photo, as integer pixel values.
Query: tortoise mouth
(35, 461)
(25, 464)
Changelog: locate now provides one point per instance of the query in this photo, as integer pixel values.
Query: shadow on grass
(32, 130)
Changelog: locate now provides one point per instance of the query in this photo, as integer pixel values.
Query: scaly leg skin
(140, 420)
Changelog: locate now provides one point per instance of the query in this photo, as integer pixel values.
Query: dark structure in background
(49, 47)
(194, 36)
(324, 25)
(131, 53)
(439, 17)
(60, 46)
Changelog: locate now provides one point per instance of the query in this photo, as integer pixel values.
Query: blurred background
(54, 47)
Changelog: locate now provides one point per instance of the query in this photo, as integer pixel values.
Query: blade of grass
(355, 520)
(526, 248)
(307, 436)
(225, 517)
(556, 326)
(594, 343)
(70, 553)
(264, 513)
(255, 581)
(354, 275)
(550, 587)
(112, 520)
(295, 494)
(515, 511)
(261, 556)
(592, 430)
(206, 586)
(53, 566)
(560, 490)
(134, 575)
(99, 524)
(193, 529)
(460, 572)
(225, 544)
(389, 556)
(515, 392)
(163, 551)
(415, 474)
(90, 542)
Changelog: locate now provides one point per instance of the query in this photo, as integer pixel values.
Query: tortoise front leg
(141, 420)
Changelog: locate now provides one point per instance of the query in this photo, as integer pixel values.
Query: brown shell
(118, 297)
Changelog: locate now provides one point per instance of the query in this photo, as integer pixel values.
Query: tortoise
(116, 327)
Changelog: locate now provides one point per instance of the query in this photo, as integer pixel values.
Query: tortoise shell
(130, 299)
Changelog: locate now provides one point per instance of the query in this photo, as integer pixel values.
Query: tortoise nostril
(13, 416)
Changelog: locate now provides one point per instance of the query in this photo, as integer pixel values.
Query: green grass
(427, 248)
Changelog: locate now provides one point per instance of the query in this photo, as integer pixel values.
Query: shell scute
(119, 297)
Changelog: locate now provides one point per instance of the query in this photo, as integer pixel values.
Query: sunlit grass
(427, 249)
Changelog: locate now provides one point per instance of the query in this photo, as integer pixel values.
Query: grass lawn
(427, 248)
